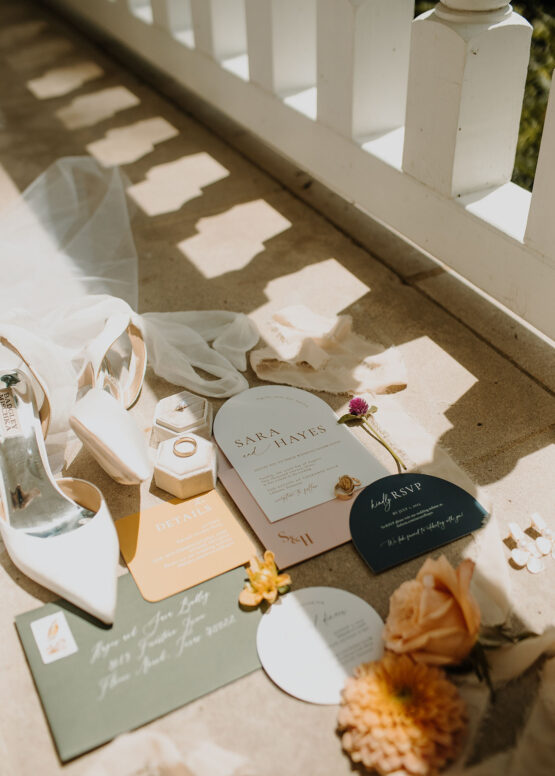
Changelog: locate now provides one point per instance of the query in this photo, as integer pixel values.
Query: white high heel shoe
(99, 418)
(60, 533)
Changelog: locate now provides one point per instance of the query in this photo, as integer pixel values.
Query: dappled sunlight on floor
(456, 379)
(63, 80)
(90, 109)
(127, 144)
(326, 287)
(214, 231)
(169, 186)
(229, 241)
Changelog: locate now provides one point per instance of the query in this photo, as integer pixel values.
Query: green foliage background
(538, 81)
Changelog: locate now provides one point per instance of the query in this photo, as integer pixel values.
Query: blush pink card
(295, 538)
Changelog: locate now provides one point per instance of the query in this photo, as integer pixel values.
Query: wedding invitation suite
(311, 640)
(405, 515)
(282, 453)
(96, 682)
(175, 545)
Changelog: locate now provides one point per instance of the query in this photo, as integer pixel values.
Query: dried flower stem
(373, 433)
(359, 415)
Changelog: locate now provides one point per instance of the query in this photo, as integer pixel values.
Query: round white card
(310, 641)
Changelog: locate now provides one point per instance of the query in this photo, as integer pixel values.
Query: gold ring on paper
(345, 487)
(186, 453)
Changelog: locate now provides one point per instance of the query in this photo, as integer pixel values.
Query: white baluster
(282, 44)
(540, 229)
(466, 82)
(363, 60)
(219, 27)
(173, 15)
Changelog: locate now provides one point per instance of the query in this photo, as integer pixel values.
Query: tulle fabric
(69, 262)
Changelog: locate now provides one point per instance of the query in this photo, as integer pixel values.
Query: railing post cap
(475, 5)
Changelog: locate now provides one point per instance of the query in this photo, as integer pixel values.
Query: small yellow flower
(264, 581)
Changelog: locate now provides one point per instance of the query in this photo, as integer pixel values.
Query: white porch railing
(419, 130)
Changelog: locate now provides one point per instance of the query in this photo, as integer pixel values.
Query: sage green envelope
(101, 681)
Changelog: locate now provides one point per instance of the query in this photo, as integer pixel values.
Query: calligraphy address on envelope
(155, 658)
(405, 515)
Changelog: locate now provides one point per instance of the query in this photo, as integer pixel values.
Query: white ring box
(181, 413)
(185, 477)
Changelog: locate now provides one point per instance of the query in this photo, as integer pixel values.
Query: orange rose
(434, 618)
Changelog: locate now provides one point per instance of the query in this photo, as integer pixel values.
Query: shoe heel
(68, 545)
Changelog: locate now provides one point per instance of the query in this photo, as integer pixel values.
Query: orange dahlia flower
(401, 717)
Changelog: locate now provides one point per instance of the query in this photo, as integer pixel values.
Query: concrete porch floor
(478, 381)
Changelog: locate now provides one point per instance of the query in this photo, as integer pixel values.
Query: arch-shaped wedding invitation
(283, 452)
(405, 515)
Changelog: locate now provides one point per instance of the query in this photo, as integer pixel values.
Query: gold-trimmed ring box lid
(182, 413)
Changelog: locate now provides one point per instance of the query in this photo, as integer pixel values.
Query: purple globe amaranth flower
(358, 406)
(359, 415)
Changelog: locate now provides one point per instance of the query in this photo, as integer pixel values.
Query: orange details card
(176, 545)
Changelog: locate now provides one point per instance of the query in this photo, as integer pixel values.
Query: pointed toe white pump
(59, 533)
(99, 418)
(81, 564)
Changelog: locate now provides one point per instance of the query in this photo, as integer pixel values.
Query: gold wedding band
(345, 487)
(180, 453)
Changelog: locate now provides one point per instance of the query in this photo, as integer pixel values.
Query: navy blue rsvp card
(405, 515)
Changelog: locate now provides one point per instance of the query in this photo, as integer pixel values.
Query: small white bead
(520, 557)
(530, 546)
(538, 522)
(535, 565)
(543, 545)
(516, 532)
